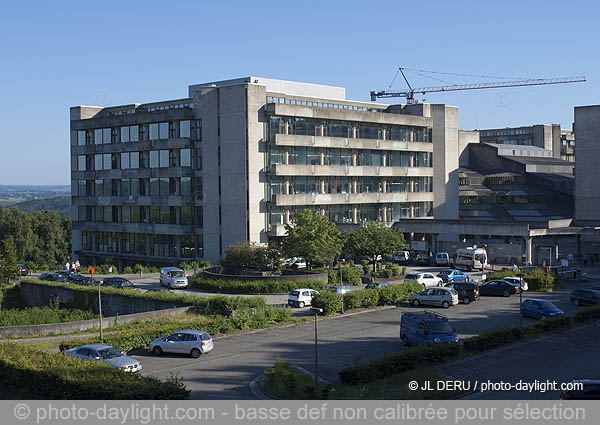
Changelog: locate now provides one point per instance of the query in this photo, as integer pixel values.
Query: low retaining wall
(38, 295)
(301, 276)
(68, 327)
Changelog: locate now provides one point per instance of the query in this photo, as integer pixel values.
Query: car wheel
(445, 304)
(466, 300)
(576, 301)
(506, 294)
(405, 340)
(157, 351)
(195, 353)
(416, 303)
(301, 304)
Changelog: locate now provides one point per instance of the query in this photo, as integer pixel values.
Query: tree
(312, 238)
(252, 255)
(8, 261)
(374, 240)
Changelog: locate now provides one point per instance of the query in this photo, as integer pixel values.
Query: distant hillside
(60, 204)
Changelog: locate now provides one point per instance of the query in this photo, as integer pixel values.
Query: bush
(378, 266)
(330, 302)
(42, 315)
(252, 255)
(395, 294)
(402, 361)
(361, 299)
(587, 314)
(204, 264)
(365, 266)
(395, 268)
(10, 297)
(252, 286)
(536, 279)
(139, 269)
(128, 270)
(388, 273)
(404, 271)
(38, 375)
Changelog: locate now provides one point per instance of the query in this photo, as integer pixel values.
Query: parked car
(442, 259)
(106, 354)
(444, 297)
(301, 297)
(294, 262)
(467, 291)
(377, 285)
(23, 270)
(585, 296)
(450, 275)
(342, 289)
(498, 287)
(425, 279)
(187, 341)
(469, 258)
(424, 260)
(118, 282)
(82, 280)
(173, 278)
(589, 390)
(540, 309)
(53, 277)
(401, 257)
(517, 281)
(427, 327)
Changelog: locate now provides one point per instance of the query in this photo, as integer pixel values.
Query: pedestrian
(585, 260)
(77, 266)
(570, 258)
(67, 266)
(110, 269)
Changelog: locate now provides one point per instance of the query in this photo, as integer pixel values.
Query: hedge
(210, 304)
(536, 279)
(587, 314)
(252, 286)
(398, 362)
(42, 315)
(398, 293)
(330, 302)
(137, 337)
(38, 375)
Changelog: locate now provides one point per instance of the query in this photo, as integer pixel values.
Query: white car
(426, 279)
(187, 341)
(444, 297)
(301, 297)
(517, 281)
(173, 278)
(106, 354)
(294, 262)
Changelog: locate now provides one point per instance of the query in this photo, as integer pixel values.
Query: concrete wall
(464, 139)
(81, 325)
(39, 295)
(587, 158)
(214, 273)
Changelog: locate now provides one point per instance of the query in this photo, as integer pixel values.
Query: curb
(256, 389)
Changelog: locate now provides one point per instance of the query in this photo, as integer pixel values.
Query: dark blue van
(427, 327)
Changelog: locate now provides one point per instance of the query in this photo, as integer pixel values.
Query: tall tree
(374, 240)
(313, 238)
(8, 261)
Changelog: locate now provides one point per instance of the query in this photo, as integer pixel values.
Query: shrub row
(587, 314)
(428, 355)
(398, 362)
(536, 278)
(42, 315)
(210, 304)
(350, 275)
(138, 336)
(252, 286)
(39, 375)
(331, 303)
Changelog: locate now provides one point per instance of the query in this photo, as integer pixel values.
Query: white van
(172, 278)
(469, 258)
(442, 259)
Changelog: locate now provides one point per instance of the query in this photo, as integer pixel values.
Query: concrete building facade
(587, 158)
(237, 160)
(544, 136)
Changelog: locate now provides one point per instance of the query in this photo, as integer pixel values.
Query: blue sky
(61, 54)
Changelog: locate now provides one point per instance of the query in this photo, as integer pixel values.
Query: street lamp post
(317, 311)
(342, 288)
(520, 275)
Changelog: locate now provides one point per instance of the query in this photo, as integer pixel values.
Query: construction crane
(410, 93)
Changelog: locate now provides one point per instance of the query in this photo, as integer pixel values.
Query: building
(545, 136)
(587, 158)
(236, 160)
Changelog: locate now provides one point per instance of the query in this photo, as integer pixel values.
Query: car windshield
(444, 272)
(412, 276)
(440, 327)
(176, 274)
(109, 353)
(546, 304)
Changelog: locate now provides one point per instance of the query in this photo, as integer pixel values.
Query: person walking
(68, 266)
(585, 260)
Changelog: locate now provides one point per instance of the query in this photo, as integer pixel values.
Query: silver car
(105, 354)
(444, 297)
(187, 341)
(172, 277)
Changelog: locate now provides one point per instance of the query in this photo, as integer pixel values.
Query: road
(236, 360)
(562, 357)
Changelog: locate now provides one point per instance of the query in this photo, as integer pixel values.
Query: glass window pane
(98, 162)
(186, 158)
(106, 161)
(163, 130)
(135, 187)
(153, 131)
(154, 187)
(81, 162)
(184, 128)
(134, 160)
(124, 134)
(134, 134)
(164, 158)
(98, 136)
(106, 135)
(81, 138)
(125, 187)
(186, 185)
(153, 159)
(125, 161)
(164, 187)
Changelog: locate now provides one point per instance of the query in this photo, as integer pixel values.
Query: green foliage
(60, 204)
(388, 272)
(288, 383)
(267, 286)
(404, 271)
(402, 361)
(8, 260)
(536, 279)
(204, 264)
(395, 268)
(587, 314)
(361, 299)
(139, 269)
(39, 375)
(330, 302)
(252, 255)
(374, 239)
(42, 315)
(313, 238)
(350, 275)
(10, 297)
(128, 270)
(400, 293)
(365, 266)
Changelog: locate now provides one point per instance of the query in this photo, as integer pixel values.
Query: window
(98, 136)
(153, 159)
(173, 158)
(106, 161)
(98, 162)
(154, 187)
(164, 187)
(125, 160)
(185, 159)
(106, 136)
(125, 134)
(186, 186)
(184, 128)
(164, 158)
(153, 131)
(81, 138)
(81, 188)
(81, 163)
(163, 130)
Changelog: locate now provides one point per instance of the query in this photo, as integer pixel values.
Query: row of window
(141, 132)
(505, 132)
(346, 214)
(164, 186)
(187, 246)
(362, 130)
(145, 159)
(341, 184)
(275, 99)
(164, 214)
(301, 155)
